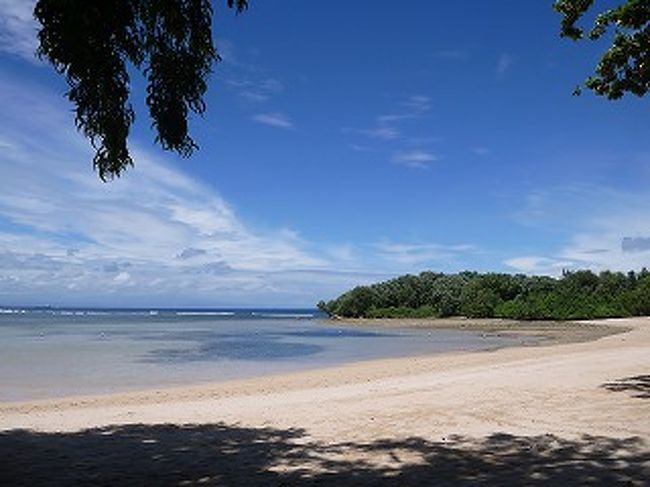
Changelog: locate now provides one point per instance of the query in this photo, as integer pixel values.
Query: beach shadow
(220, 454)
(638, 386)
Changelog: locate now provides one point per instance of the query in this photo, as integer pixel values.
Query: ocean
(48, 352)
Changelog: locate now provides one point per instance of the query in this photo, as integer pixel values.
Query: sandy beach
(574, 410)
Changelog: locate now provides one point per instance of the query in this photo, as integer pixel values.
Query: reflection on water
(210, 345)
(237, 349)
(246, 346)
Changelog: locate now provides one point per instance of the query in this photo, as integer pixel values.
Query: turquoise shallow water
(50, 353)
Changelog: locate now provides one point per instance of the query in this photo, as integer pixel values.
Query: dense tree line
(576, 295)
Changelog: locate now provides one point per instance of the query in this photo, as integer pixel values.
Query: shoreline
(551, 332)
(194, 403)
(543, 333)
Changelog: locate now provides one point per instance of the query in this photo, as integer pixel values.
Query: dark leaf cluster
(94, 43)
(576, 295)
(625, 65)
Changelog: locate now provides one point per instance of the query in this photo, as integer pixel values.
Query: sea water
(60, 352)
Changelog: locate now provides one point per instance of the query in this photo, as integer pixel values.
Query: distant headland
(579, 294)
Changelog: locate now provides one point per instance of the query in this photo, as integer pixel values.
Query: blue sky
(344, 143)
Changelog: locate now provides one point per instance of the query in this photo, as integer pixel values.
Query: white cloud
(601, 223)
(415, 158)
(155, 236)
(122, 278)
(275, 119)
(167, 237)
(18, 28)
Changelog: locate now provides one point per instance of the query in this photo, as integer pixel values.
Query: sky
(344, 143)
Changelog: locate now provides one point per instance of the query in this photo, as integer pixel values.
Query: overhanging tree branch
(625, 66)
(92, 43)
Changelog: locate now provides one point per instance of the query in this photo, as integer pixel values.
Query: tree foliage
(94, 42)
(625, 65)
(576, 295)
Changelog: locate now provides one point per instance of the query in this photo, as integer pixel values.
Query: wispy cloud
(415, 158)
(386, 125)
(416, 254)
(275, 119)
(606, 228)
(167, 237)
(381, 132)
(18, 28)
(392, 130)
(250, 81)
(534, 264)
(504, 63)
(413, 107)
(254, 96)
(361, 148)
(156, 236)
(480, 151)
(256, 90)
(253, 84)
(417, 104)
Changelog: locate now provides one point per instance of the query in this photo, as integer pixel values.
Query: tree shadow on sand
(229, 455)
(638, 386)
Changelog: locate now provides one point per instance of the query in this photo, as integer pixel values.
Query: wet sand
(550, 332)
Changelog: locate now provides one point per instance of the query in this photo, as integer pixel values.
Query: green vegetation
(576, 295)
(623, 67)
